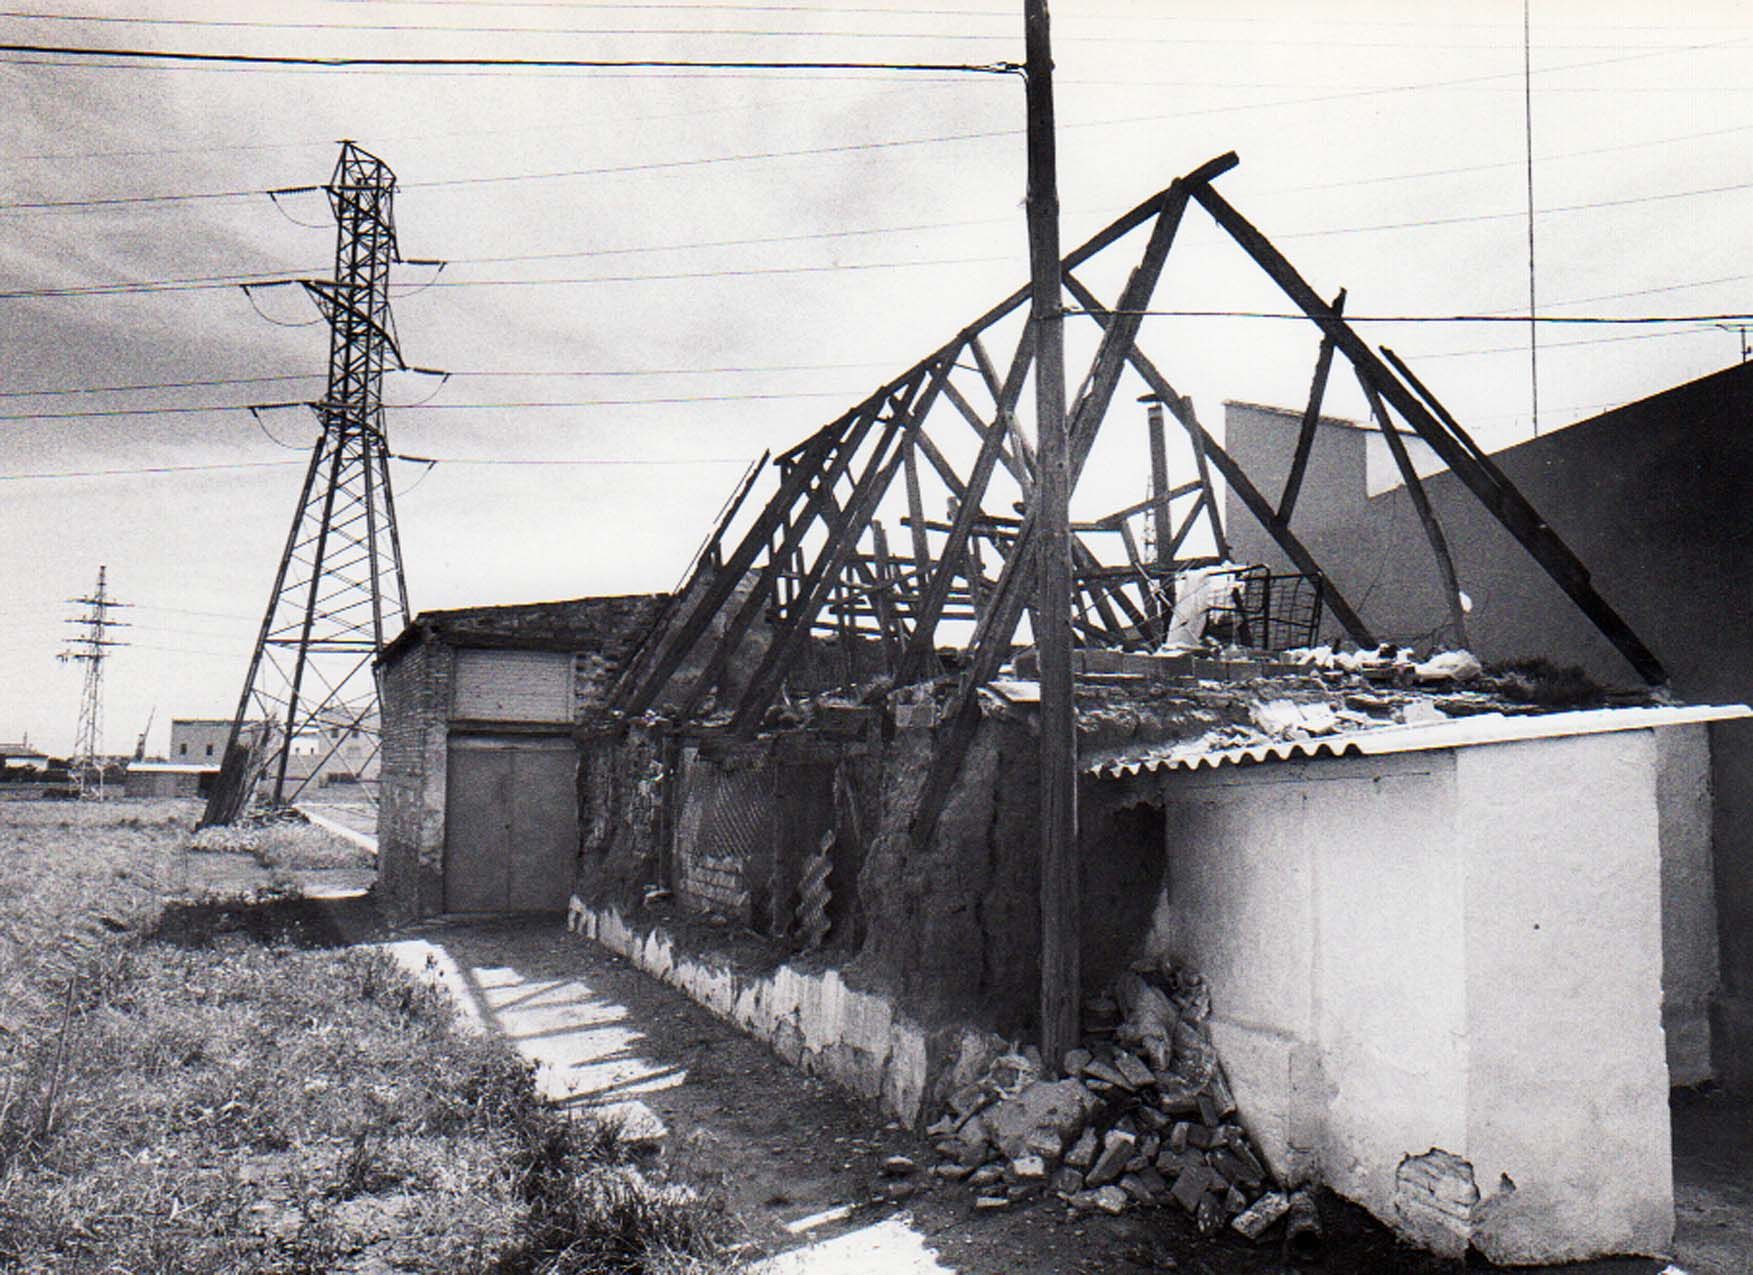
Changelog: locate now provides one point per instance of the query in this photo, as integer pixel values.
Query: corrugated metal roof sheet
(1462, 732)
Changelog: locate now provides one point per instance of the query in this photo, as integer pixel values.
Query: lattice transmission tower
(91, 648)
(309, 705)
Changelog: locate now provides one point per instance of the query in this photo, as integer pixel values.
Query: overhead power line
(1108, 37)
(150, 470)
(579, 64)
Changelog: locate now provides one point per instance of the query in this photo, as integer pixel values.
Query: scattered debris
(1143, 1116)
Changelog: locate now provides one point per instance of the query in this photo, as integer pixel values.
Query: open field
(187, 1084)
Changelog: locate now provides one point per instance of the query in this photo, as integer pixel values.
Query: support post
(1163, 524)
(1060, 922)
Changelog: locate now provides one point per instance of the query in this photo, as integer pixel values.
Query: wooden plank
(1502, 499)
(765, 682)
(921, 648)
(1433, 532)
(682, 641)
(915, 521)
(707, 558)
(1305, 439)
(1110, 522)
(778, 561)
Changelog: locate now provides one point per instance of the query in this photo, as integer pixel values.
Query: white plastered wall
(1367, 925)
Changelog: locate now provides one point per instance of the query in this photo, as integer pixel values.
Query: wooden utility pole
(1060, 929)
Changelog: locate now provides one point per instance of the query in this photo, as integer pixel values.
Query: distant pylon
(91, 648)
(339, 592)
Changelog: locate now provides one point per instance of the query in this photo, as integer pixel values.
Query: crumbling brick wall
(410, 827)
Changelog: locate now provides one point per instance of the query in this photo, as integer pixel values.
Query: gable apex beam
(1502, 499)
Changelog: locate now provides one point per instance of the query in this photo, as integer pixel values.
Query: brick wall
(410, 827)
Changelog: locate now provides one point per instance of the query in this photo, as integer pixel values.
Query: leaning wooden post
(1163, 585)
(1059, 868)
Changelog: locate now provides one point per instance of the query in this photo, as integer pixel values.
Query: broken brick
(1111, 1199)
(1065, 1181)
(897, 1166)
(952, 1172)
(1076, 1060)
(985, 1202)
(1180, 1136)
(1028, 1167)
(1046, 1143)
(1224, 1161)
(1234, 1201)
(1190, 1186)
(1208, 1215)
(1258, 1218)
(1132, 1071)
(1134, 1187)
(1170, 1163)
(1105, 1073)
(986, 1175)
(1208, 1112)
(1148, 1146)
(1083, 1152)
(1116, 1151)
(1153, 1183)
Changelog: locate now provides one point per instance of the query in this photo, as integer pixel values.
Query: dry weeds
(223, 1103)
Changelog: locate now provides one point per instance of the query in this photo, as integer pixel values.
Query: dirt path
(799, 1162)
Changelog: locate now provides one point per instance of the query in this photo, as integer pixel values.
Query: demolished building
(1435, 915)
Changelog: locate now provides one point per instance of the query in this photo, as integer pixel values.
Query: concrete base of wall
(811, 1018)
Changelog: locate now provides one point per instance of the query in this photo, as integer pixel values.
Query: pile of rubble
(1143, 1115)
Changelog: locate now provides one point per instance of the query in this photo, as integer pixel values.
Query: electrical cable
(761, 32)
(256, 416)
(582, 64)
(149, 469)
(163, 385)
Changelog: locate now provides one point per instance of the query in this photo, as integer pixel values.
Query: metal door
(511, 824)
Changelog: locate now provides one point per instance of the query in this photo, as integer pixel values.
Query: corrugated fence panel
(513, 686)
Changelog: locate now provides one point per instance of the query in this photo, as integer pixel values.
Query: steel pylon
(309, 705)
(90, 649)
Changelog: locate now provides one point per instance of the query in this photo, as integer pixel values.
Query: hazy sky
(697, 266)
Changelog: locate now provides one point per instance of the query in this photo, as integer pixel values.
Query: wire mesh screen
(1266, 611)
(723, 835)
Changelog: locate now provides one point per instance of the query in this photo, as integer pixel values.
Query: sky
(653, 276)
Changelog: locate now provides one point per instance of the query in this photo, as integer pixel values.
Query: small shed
(482, 712)
(169, 779)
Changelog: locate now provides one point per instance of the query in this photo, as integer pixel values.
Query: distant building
(21, 756)
(201, 740)
(168, 779)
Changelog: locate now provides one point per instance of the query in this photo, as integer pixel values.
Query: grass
(284, 843)
(232, 1102)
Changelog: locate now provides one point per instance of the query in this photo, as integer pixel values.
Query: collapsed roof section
(816, 558)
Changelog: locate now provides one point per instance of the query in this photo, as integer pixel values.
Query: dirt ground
(799, 1163)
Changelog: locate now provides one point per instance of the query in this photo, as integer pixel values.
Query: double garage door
(511, 823)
